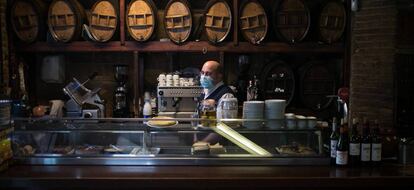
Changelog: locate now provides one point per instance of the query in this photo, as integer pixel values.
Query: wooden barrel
(278, 81)
(178, 20)
(253, 21)
(317, 81)
(27, 19)
(291, 20)
(141, 17)
(218, 20)
(103, 20)
(332, 21)
(65, 19)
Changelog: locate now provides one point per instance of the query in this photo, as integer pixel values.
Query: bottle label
(376, 152)
(341, 157)
(354, 149)
(333, 148)
(365, 152)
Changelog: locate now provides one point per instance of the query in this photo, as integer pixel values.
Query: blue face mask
(206, 82)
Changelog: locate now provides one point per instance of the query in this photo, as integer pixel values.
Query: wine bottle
(365, 144)
(334, 141)
(343, 145)
(252, 89)
(354, 144)
(376, 145)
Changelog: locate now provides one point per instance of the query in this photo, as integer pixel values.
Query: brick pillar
(372, 58)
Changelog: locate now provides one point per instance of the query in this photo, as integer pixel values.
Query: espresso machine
(120, 107)
(83, 103)
(178, 101)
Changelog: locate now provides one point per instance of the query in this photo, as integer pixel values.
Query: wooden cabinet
(148, 59)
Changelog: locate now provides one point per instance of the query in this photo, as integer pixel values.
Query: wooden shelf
(155, 46)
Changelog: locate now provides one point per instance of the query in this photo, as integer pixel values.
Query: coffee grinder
(120, 107)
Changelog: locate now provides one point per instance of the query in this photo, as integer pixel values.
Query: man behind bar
(211, 79)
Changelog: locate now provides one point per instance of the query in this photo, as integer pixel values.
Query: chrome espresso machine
(178, 101)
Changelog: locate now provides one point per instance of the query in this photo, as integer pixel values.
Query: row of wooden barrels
(67, 18)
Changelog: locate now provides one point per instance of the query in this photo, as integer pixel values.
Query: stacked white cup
(301, 122)
(161, 80)
(275, 113)
(190, 81)
(290, 121)
(169, 80)
(253, 110)
(176, 80)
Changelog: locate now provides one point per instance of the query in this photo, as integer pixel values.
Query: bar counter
(390, 176)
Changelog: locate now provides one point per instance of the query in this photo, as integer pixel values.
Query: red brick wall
(372, 59)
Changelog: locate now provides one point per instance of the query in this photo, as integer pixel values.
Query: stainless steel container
(406, 151)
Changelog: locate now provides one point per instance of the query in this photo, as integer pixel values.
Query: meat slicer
(83, 103)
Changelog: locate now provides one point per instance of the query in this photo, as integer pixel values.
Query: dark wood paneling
(236, 22)
(213, 177)
(122, 21)
(244, 47)
(404, 93)
(405, 37)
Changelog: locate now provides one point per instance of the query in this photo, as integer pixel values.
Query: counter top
(206, 177)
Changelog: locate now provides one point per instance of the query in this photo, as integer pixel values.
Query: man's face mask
(206, 82)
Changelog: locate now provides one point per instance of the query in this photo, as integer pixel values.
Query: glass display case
(182, 142)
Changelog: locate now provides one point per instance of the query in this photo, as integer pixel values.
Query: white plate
(253, 102)
(163, 126)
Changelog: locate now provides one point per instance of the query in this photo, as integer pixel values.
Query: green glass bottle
(343, 145)
(376, 145)
(333, 141)
(366, 145)
(354, 145)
